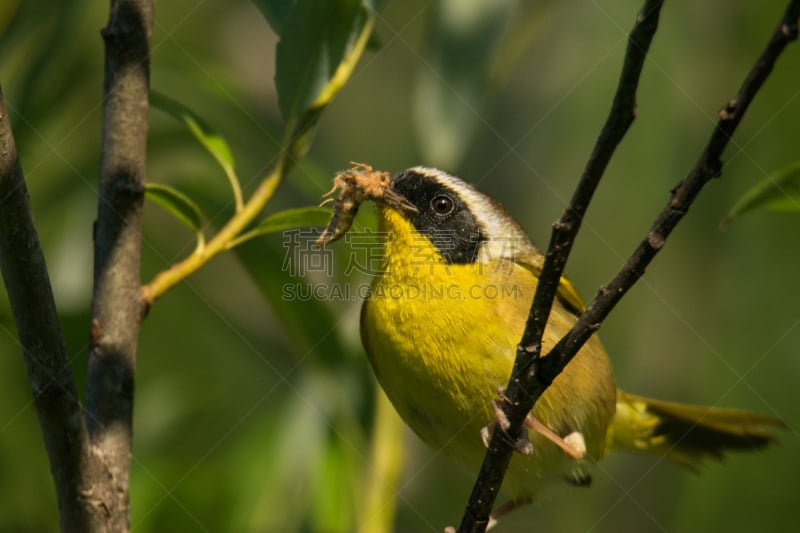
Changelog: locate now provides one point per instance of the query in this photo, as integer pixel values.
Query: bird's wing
(567, 294)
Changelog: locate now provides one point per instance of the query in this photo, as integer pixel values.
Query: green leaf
(275, 11)
(289, 219)
(317, 37)
(294, 218)
(177, 203)
(214, 143)
(777, 192)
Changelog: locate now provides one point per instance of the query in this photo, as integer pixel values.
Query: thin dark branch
(39, 332)
(524, 387)
(708, 166)
(532, 375)
(621, 116)
(117, 304)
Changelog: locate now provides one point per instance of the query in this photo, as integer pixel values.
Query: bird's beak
(397, 201)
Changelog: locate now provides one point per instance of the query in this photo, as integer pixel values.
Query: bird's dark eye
(442, 205)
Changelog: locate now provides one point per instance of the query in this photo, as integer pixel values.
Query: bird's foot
(573, 444)
(522, 445)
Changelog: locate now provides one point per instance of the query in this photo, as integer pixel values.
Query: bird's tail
(686, 433)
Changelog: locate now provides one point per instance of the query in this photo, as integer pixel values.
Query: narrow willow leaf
(348, 63)
(316, 38)
(778, 192)
(177, 203)
(294, 218)
(289, 219)
(214, 143)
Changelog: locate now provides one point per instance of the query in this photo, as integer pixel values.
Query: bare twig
(532, 374)
(621, 116)
(708, 166)
(117, 306)
(524, 387)
(43, 350)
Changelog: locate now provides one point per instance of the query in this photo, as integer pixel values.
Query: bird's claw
(523, 445)
(574, 445)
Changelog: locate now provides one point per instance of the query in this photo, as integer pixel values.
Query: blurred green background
(254, 413)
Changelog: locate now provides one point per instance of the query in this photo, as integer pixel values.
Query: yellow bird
(442, 321)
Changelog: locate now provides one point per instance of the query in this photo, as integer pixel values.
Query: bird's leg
(573, 444)
(522, 445)
(499, 419)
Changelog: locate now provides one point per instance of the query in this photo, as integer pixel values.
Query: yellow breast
(441, 339)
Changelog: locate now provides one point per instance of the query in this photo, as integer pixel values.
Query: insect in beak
(355, 186)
